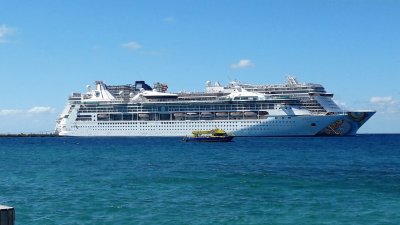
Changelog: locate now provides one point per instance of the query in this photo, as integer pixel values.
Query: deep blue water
(346, 180)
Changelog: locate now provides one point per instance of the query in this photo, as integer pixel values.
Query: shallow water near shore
(305, 180)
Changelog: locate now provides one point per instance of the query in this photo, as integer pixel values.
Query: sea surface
(304, 180)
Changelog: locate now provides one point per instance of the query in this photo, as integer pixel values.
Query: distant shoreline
(29, 135)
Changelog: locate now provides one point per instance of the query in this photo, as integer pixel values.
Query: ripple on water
(351, 180)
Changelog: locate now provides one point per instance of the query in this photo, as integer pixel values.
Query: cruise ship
(289, 109)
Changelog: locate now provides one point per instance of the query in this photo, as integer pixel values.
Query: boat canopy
(214, 131)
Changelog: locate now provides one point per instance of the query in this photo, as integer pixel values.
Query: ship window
(313, 124)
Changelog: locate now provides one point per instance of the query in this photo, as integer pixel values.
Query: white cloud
(386, 106)
(33, 110)
(133, 45)
(243, 63)
(169, 19)
(40, 109)
(10, 112)
(4, 32)
(35, 120)
(382, 100)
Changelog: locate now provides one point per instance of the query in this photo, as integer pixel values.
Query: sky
(49, 49)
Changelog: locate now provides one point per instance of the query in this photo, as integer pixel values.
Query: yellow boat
(215, 135)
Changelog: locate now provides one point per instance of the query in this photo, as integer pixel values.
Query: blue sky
(49, 49)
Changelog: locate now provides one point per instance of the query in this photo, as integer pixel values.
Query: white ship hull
(271, 126)
(137, 110)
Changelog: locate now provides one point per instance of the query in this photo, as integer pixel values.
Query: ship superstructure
(291, 109)
(311, 96)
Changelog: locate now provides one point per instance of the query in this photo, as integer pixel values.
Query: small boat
(144, 116)
(236, 114)
(179, 114)
(103, 116)
(191, 115)
(206, 115)
(221, 114)
(250, 114)
(215, 135)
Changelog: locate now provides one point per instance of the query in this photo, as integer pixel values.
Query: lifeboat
(191, 114)
(263, 113)
(250, 114)
(236, 114)
(221, 114)
(179, 114)
(102, 116)
(206, 115)
(143, 116)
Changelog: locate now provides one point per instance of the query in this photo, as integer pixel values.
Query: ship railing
(171, 101)
(176, 108)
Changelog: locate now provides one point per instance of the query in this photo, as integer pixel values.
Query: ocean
(301, 180)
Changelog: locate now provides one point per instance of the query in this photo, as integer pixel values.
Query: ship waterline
(139, 110)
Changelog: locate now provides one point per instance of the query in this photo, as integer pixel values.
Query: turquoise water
(348, 180)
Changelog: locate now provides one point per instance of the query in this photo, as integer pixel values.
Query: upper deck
(301, 95)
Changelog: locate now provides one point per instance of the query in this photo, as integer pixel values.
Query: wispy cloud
(386, 105)
(41, 109)
(10, 112)
(32, 111)
(133, 45)
(243, 63)
(169, 19)
(382, 100)
(36, 119)
(5, 31)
